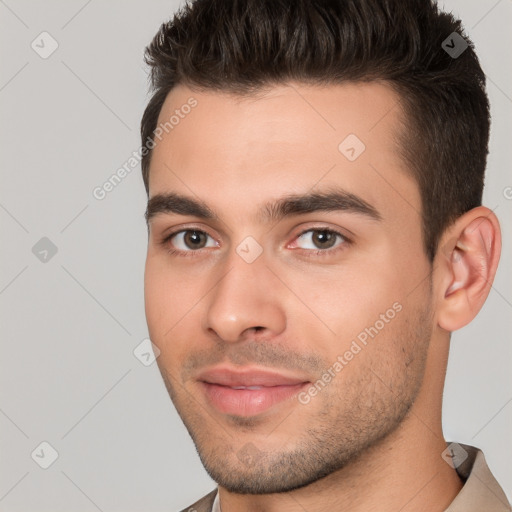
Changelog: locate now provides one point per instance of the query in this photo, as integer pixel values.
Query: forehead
(290, 138)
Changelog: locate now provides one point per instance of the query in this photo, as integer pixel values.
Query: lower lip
(248, 402)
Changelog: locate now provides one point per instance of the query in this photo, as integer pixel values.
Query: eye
(320, 239)
(189, 240)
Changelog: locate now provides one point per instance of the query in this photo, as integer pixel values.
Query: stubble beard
(344, 421)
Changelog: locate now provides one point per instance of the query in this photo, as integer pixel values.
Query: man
(314, 170)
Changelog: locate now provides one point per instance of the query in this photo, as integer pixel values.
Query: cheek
(174, 298)
(168, 296)
(347, 299)
(363, 303)
(155, 297)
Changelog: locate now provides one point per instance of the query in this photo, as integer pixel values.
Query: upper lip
(248, 377)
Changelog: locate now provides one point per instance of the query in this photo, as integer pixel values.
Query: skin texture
(376, 425)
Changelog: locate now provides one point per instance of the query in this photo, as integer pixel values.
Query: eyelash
(318, 252)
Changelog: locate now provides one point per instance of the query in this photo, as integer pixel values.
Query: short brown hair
(242, 46)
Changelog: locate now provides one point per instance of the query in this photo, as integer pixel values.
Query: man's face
(293, 309)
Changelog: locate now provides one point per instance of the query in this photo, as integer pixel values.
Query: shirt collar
(216, 503)
(481, 491)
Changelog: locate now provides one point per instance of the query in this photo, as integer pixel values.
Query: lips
(248, 378)
(248, 392)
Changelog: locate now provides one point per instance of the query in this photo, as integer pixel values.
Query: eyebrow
(293, 204)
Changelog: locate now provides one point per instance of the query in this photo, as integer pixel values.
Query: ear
(465, 267)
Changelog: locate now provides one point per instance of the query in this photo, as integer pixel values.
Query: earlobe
(468, 264)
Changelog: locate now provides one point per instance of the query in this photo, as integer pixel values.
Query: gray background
(69, 325)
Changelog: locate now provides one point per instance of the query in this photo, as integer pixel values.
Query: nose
(245, 300)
